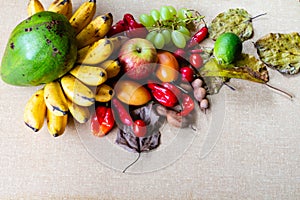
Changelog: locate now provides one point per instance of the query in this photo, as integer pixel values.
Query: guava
(40, 49)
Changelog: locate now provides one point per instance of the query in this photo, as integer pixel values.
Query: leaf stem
(132, 162)
(226, 84)
(279, 90)
(257, 16)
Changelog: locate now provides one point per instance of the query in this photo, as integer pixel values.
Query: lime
(228, 47)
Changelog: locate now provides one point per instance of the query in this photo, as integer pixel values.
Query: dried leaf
(246, 67)
(214, 84)
(127, 139)
(236, 20)
(280, 51)
(252, 66)
(131, 143)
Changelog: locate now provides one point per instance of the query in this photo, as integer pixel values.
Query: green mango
(40, 49)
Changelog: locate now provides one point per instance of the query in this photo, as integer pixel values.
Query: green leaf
(280, 51)
(247, 67)
(236, 20)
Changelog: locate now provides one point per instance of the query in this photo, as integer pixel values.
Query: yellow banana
(89, 75)
(80, 114)
(95, 30)
(82, 53)
(104, 93)
(76, 91)
(70, 10)
(112, 67)
(55, 99)
(63, 7)
(34, 6)
(35, 111)
(95, 53)
(56, 124)
(118, 41)
(83, 15)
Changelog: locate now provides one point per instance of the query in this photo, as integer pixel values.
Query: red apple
(138, 57)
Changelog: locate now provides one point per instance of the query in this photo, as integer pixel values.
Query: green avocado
(40, 49)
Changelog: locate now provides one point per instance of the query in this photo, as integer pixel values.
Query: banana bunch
(75, 93)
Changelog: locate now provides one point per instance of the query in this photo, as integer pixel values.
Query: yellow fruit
(132, 93)
(167, 69)
(104, 93)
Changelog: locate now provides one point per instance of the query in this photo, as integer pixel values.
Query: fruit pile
(168, 25)
(59, 42)
(130, 73)
(99, 71)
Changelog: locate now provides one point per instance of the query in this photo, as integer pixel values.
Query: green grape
(172, 11)
(159, 41)
(151, 35)
(167, 35)
(146, 20)
(178, 39)
(165, 13)
(185, 32)
(181, 23)
(155, 14)
(183, 13)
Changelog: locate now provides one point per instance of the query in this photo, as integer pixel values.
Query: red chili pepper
(187, 105)
(117, 28)
(173, 88)
(121, 112)
(198, 37)
(187, 74)
(102, 121)
(135, 29)
(139, 128)
(163, 95)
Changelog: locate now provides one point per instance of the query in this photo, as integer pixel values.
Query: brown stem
(257, 16)
(232, 88)
(132, 162)
(281, 91)
(250, 20)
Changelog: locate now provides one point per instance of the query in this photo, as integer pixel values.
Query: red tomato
(139, 128)
(187, 74)
(196, 60)
(180, 54)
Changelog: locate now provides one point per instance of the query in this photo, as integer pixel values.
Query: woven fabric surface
(254, 155)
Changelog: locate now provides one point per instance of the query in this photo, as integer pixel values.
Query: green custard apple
(40, 49)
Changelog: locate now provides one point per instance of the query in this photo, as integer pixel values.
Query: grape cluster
(169, 26)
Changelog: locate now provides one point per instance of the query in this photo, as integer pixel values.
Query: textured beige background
(256, 156)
